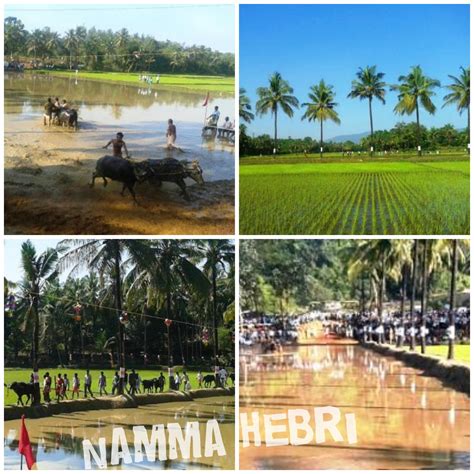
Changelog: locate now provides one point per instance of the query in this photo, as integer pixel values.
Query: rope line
(133, 313)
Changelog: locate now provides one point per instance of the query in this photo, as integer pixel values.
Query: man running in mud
(171, 134)
(117, 145)
(48, 111)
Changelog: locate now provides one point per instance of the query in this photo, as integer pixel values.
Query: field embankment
(112, 402)
(452, 373)
(194, 83)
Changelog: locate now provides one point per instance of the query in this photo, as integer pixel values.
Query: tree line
(124, 302)
(401, 138)
(414, 91)
(291, 276)
(105, 50)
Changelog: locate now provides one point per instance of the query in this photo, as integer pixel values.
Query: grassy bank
(23, 375)
(462, 352)
(393, 197)
(189, 82)
(300, 158)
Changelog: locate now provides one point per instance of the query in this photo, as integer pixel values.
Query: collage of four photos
(188, 286)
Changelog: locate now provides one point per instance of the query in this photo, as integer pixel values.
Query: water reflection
(405, 420)
(57, 440)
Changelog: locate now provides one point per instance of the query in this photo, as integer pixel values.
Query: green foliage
(363, 198)
(158, 278)
(401, 138)
(306, 273)
(105, 50)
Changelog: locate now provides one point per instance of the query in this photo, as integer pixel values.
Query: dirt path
(47, 192)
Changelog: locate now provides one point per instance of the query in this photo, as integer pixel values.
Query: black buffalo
(175, 171)
(209, 380)
(67, 118)
(148, 385)
(122, 170)
(21, 389)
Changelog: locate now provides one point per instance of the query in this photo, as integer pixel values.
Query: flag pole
(21, 462)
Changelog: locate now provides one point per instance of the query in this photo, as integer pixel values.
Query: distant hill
(355, 137)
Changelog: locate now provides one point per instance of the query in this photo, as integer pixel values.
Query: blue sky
(306, 43)
(208, 25)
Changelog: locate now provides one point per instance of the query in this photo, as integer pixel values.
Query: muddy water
(404, 419)
(47, 169)
(57, 440)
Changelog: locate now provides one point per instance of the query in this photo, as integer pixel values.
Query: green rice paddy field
(370, 198)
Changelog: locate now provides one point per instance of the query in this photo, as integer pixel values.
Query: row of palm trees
(148, 273)
(411, 264)
(95, 49)
(415, 90)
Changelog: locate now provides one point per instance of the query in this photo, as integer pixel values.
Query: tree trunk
(118, 307)
(363, 295)
(381, 336)
(412, 300)
(321, 141)
(452, 298)
(35, 347)
(168, 315)
(418, 130)
(402, 304)
(214, 319)
(423, 297)
(275, 143)
(371, 128)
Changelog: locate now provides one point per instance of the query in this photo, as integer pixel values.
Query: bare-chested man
(117, 145)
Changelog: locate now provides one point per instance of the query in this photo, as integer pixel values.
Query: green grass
(393, 197)
(23, 375)
(336, 157)
(189, 82)
(462, 352)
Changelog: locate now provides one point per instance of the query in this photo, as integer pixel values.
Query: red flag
(206, 101)
(24, 446)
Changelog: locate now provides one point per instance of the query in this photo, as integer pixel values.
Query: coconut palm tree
(380, 259)
(277, 95)
(38, 271)
(245, 109)
(217, 254)
(460, 94)
(321, 107)
(415, 90)
(71, 42)
(369, 85)
(108, 257)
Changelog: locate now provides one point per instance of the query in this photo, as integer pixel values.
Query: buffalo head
(193, 171)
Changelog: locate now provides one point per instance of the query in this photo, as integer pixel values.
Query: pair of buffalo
(65, 117)
(130, 172)
(156, 384)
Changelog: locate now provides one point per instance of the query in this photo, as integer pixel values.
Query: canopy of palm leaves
(368, 85)
(278, 94)
(415, 89)
(460, 90)
(245, 109)
(322, 104)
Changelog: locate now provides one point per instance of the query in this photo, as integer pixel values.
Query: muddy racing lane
(47, 169)
(404, 420)
(57, 440)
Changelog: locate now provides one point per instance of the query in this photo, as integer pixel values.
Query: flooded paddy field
(404, 420)
(47, 169)
(57, 440)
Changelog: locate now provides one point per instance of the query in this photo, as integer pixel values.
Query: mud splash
(47, 169)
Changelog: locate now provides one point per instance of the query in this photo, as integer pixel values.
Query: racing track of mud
(47, 192)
